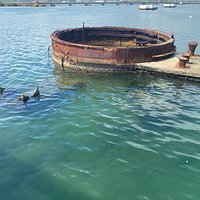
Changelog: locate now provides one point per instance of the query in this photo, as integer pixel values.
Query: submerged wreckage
(110, 46)
(115, 49)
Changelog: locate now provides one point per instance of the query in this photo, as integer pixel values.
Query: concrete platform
(167, 67)
(170, 67)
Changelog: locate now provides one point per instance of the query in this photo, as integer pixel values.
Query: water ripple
(140, 146)
(94, 136)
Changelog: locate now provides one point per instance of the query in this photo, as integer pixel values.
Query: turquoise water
(95, 136)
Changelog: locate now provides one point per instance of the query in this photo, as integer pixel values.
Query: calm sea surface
(117, 137)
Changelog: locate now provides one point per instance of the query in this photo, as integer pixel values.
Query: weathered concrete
(167, 67)
(170, 67)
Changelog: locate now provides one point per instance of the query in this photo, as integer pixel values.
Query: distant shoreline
(14, 4)
(40, 4)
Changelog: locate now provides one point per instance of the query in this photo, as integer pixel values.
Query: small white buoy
(190, 16)
(187, 161)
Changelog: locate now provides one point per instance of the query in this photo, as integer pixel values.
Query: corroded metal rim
(71, 46)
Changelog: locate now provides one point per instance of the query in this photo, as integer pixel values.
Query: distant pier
(102, 3)
(95, 3)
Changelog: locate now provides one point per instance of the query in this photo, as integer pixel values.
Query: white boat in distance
(169, 5)
(148, 7)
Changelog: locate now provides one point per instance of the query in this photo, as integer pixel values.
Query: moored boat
(169, 5)
(148, 7)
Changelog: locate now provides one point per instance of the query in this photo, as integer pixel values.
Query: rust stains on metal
(192, 46)
(110, 46)
(186, 55)
(182, 62)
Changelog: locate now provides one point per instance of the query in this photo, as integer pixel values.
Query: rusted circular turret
(116, 47)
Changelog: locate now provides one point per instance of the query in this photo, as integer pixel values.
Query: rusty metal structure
(192, 46)
(182, 62)
(91, 48)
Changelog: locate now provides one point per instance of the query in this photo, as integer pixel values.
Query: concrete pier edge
(167, 67)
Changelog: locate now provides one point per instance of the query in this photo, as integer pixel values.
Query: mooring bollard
(186, 55)
(182, 62)
(192, 46)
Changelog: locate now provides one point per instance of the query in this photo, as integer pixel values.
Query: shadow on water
(69, 79)
(64, 76)
(42, 186)
(151, 84)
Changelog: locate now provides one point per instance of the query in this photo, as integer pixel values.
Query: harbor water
(95, 136)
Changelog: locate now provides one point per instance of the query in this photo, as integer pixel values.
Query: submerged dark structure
(116, 48)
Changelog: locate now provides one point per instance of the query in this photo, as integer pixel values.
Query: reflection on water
(67, 79)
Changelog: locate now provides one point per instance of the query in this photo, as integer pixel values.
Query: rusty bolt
(186, 55)
(182, 62)
(192, 46)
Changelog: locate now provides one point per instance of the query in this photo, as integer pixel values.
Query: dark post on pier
(192, 46)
